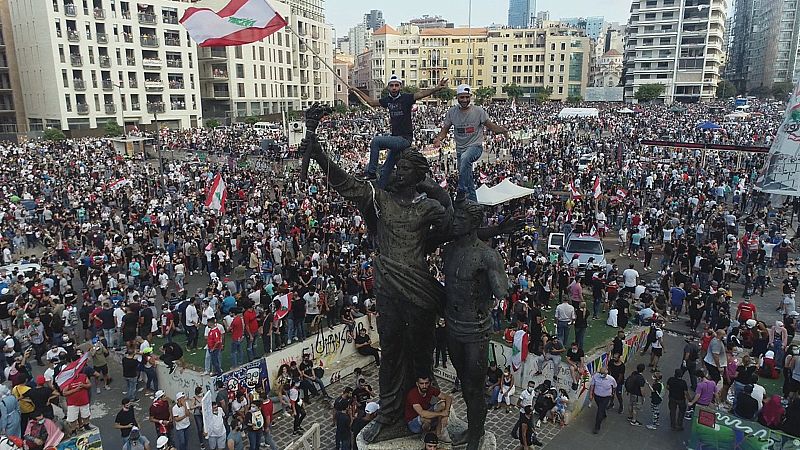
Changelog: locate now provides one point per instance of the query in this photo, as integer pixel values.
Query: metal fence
(310, 440)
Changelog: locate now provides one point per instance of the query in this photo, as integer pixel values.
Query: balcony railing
(78, 84)
(178, 105)
(176, 84)
(126, 14)
(221, 94)
(127, 37)
(73, 36)
(102, 38)
(111, 109)
(146, 18)
(154, 85)
(172, 41)
(70, 10)
(166, 18)
(131, 60)
(175, 63)
(76, 60)
(304, 96)
(155, 107)
(219, 74)
(135, 107)
(152, 62)
(108, 85)
(82, 108)
(99, 13)
(105, 61)
(215, 53)
(149, 41)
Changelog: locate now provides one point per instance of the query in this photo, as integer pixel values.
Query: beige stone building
(343, 65)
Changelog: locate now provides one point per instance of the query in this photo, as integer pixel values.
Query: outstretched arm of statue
(498, 279)
(508, 226)
(344, 183)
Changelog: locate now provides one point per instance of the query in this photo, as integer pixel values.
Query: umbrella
(708, 126)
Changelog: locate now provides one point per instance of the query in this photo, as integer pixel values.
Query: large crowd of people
(104, 254)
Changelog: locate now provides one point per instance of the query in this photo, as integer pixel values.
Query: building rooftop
(612, 52)
(386, 29)
(453, 31)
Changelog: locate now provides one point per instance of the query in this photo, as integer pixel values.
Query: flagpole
(325, 63)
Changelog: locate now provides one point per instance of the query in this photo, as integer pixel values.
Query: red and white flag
(154, 266)
(593, 232)
(519, 351)
(483, 178)
(217, 194)
(286, 306)
(239, 22)
(596, 188)
(114, 185)
(69, 372)
(575, 193)
(622, 193)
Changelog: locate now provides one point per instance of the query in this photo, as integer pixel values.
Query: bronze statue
(409, 298)
(474, 271)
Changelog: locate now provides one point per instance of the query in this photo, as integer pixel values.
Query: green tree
(212, 123)
(781, 90)
(340, 108)
(543, 95)
(113, 128)
(446, 95)
(54, 134)
(726, 89)
(251, 120)
(484, 93)
(574, 99)
(760, 92)
(513, 91)
(649, 92)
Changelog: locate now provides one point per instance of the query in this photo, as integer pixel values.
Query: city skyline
(344, 14)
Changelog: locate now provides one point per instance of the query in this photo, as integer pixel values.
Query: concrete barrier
(334, 348)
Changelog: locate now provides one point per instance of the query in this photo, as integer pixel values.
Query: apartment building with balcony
(394, 51)
(279, 73)
(87, 62)
(678, 43)
(12, 108)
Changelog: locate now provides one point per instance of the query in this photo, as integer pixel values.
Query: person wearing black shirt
(678, 397)
(298, 316)
(130, 371)
(42, 396)
(309, 373)
(623, 305)
(370, 412)
(130, 321)
(343, 418)
(364, 346)
(126, 418)
(575, 361)
(633, 385)
(363, 392)
(616, 369)
(746, 406)
(171, 352)
(399, 106)
(493, 377)
(617, 342)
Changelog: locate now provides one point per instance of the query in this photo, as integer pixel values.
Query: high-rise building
(740, 39)
(592, 25)
(771, 55)
(12, 107)
(521, 13)
(359, 39)
(374, 19)
(678, 44)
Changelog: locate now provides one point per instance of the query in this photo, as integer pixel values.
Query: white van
(266, 126)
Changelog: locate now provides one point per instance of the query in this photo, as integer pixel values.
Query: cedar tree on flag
(239, 22)
(217, 194)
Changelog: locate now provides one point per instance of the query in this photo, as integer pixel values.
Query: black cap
(431, 438)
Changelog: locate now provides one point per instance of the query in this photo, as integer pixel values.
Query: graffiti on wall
(717, 430)
(247, 377)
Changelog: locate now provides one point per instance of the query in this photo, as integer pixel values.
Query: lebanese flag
(114, 185)
(519, 352)
(153, 266)
(240, 22)
(593, 232)
(622, 193)
(286, 306)
(573, 191)
(69, 372)
(596, 188)
(217, 194)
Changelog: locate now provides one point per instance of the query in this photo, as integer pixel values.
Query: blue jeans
(562, 331)
(251, 346)
(182, 439)
(255, 439)
(580, 334)
(152, 378)
(267, 438)
(131, 392)
(216, 367)
(289, 329)
(236, 353)
(300, 329)
(394, 145)
(466, 180)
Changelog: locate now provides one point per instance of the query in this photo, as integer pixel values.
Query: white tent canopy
(501, 193)
(578, 112)
(626, 111)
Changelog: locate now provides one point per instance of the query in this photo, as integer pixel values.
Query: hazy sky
(344, 14)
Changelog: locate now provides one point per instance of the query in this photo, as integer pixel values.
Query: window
(240, 71)
(576, 66)
(240, 87)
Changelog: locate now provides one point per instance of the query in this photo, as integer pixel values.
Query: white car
(27, 269)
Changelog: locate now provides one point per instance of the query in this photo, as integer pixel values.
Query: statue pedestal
(456, 427)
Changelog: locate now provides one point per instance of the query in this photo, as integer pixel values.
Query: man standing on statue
(474, 279)
(408, 296)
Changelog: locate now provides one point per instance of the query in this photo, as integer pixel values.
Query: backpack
(632, 382)
(651, 335)
(17, 345)
(26, 405)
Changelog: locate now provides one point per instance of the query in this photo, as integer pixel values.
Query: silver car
(585, 247)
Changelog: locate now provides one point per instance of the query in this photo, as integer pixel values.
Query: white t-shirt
(657, 343)
(630, 276)
(312, 303)
(180, 411)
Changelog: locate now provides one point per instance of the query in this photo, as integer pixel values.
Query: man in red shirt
(160, 415)
(237, 337)
(745, 311)
(77, 393)
(422, 414)
(214, 342)
(267, 409)
(251, 320)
